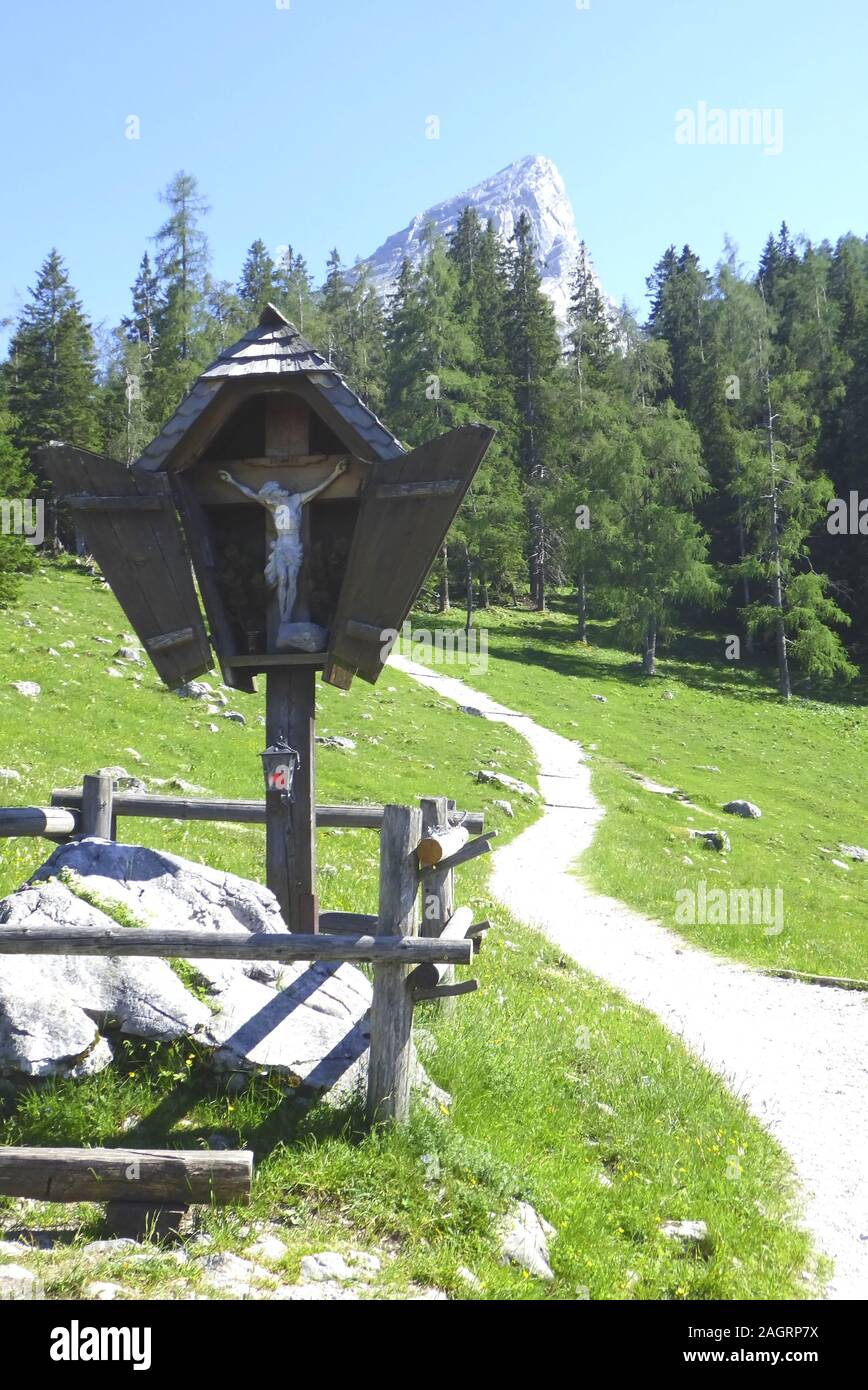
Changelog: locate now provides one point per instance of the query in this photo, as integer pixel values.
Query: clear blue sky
(306, 124)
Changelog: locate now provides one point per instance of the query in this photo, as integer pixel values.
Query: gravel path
(797, 1053)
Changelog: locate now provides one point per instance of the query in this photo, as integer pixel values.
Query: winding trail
(796, 1053)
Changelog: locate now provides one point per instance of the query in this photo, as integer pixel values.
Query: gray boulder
(712, 839)
(691, 1236)
(510, 784)
(855, 852)
(743, 808)
(58, 1014)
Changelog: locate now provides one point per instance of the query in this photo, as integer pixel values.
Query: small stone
(468, 1277)
(231, 1273)
(510, 784)
(329, 1265)
(692, 1236)
(18, 1283)
(668, 695)
(839, 864)
(30, 689)
(712, 839)
(104, 1291)
(604, 1180)
(267, 1248)
(335, 741)
(603, 700)
(213, 729)
(8, 774)
(104, 641)
(471, 709)
(110, 1247)
(855, 852)
(605, 1108)
(523, 1241)
(505, 807)
(743, 808)
(14, 1248)
(128, 654)
(193, 690)
(326, 1291)
(113, 671)
(235, 716)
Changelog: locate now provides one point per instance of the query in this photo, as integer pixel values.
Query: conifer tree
(256, 286)
(183, 343)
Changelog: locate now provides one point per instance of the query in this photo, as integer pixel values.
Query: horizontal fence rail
(228, 945)
(105, 1175)
(243, 812)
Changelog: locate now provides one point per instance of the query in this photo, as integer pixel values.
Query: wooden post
(96, 805)
(290, 831)
(391, 1056)
(438, 886)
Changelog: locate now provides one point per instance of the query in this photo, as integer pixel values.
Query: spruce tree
(256, 286)
(183, 342)
(16, 485)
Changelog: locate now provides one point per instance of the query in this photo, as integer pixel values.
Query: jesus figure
(285, 546)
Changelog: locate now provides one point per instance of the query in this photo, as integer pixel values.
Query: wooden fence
(412, 945)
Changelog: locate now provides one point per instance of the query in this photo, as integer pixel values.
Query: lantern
(279, 764)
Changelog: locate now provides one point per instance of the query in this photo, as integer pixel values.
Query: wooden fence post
(438, 886)
(391, 1054)
(96, 805)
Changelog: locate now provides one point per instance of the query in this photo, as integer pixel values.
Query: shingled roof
(273, 348)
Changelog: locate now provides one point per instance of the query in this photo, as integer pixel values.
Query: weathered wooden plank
(405, 539)
(87, 502)
(141, 553)
(347, 923)
(444, 487)
(164, 640)
(102, 1175)
(244, 812)
(391, 1055)
(168, 942)
(431, 973)
(445, 991)
(37, 820)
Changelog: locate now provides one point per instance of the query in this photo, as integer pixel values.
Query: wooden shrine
(306, 528)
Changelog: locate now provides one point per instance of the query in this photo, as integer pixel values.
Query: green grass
(802, 763)
(563, 1092)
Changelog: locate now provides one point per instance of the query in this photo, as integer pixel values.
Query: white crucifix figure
(285, 552)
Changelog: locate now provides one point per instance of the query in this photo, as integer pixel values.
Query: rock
(468, 1277)
(511, 784)
(128, 654)
(67, 646)
(335, 741)
(8, 774)
(112, 671)
(213, 729)
(604, 1180)
(104, 641)
(326, 1292)
(601, 698)
(668, 695)
(329, 1265)
(712, 839)
(306, 1021)
(743, 808)
(301, 637)
(523, 1241)
(110, 1247)
(193, 690)
(505, 807)
(852, 851)
(234, 716)
(103, 1291)
(471, 709)
(691, 1236)
(123, 780)
(839, 864)
(267, 1248)
(231, 1274)
(707, 767)
(30, 689)
(14, 1249)
(18, 1283)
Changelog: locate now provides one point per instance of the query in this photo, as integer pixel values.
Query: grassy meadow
(725, 735)
(563, 1092)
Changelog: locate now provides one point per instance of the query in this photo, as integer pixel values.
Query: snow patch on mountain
(532, 185)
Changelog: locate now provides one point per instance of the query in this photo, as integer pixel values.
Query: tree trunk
(468, 573)
(444, 580)
(745, 583)
(649, 660)
(537, 561)
(777, 572)
(583, 607)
